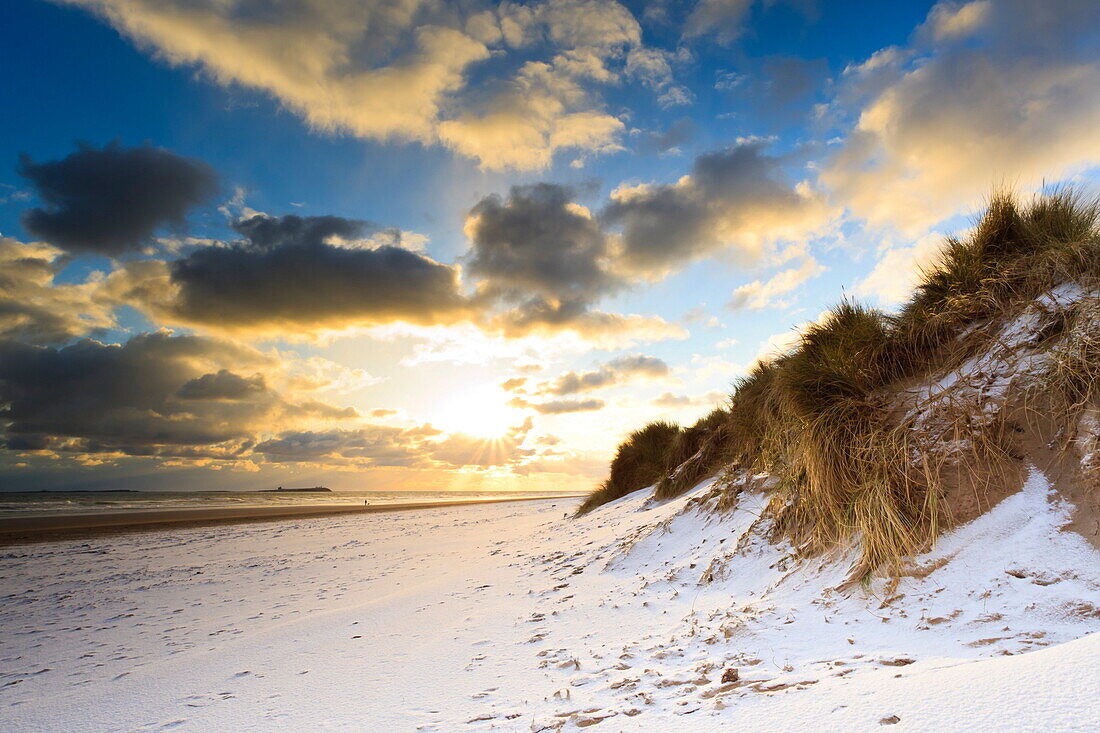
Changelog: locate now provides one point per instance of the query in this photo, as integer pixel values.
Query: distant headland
(313, 489)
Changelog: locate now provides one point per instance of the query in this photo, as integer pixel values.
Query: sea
(37, 503)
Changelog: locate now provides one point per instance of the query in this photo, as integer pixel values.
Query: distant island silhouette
(315, 489)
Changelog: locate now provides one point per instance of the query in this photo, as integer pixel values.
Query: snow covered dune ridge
(880, 431)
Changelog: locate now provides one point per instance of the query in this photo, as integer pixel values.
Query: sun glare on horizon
(481, 411)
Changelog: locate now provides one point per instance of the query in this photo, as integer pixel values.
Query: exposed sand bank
(15, 530)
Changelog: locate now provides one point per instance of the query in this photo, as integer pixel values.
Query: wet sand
(18, 530)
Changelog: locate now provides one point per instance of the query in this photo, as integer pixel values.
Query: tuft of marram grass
(817, 419)
(640, 461)
(695, 453)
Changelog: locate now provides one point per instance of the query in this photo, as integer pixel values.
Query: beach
(59, 526)
(515, 616)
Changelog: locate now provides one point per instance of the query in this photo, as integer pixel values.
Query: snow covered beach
(514, 617)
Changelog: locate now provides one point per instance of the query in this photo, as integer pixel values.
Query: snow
(517, 617)
(1012, 354)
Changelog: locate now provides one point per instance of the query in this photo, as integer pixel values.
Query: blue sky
(696, 180)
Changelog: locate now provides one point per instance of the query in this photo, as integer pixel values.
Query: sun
(479, 410)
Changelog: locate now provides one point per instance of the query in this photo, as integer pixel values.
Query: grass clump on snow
(819, 418)
(639, 462)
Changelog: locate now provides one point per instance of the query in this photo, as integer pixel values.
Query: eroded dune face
(1018, 391)
(1010, 393)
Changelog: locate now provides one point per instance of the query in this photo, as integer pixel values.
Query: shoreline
(23, 530)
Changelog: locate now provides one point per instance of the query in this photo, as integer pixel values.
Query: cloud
(368, 446)
(549, 103)
(674, 401)
(548, 260)
(373, 446)
(35, 308)
(736, 200)
(401, 69)
(297, 274)
(156, 394)
(781, 89)
(985, 94)
(653, 67)
(539, 261)
(678, 133)
(615, 372)
(558, 407)
(459, 450)
(538, 243)
(591, 328)
(111, 200)
(196, 400)
(317, 374)
(723, 18)
(699, 314)
(726, 20)
(958, 20)
(708, 367)
(223, 385)
(533, 116)
(191, 398)
(375, 69)
(758, 295)
(898, 270)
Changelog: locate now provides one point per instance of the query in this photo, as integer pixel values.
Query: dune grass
(694, 450)
(818, 419)
(640, 461)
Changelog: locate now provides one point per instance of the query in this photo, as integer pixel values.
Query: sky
(415, 245)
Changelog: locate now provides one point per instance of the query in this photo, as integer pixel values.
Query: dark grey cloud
(306, 272)
(34, 323)
(161, 395)
(223, 385)
(727, 20)
(542, 262)
(736, 199)
(112, 200)
(371, 445)
(790, 79)
(679, 133)
(539, 250)
(616, 371)
(724, 19)
(156, 394)
(784, 87)
(383, 445)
